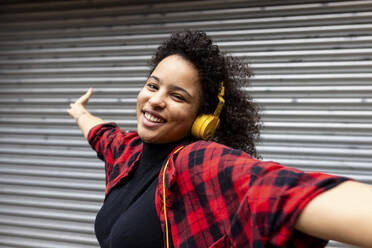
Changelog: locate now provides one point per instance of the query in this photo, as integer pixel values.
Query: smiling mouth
(153, 118)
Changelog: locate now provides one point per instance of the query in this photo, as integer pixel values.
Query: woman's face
(168, 103)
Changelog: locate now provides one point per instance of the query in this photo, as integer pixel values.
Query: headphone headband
(221, 101)
(205, 125)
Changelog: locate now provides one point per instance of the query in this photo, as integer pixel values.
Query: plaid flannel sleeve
(273, 196)
(105, 140)
(276, 197)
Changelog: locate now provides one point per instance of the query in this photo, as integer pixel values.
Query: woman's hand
(77, 109)
(83, 118)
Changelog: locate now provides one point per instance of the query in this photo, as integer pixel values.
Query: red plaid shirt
(218, 196)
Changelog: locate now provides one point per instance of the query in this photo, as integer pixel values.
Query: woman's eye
(178, 97)
(152, 86)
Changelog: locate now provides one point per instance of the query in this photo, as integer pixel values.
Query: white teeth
(152, 118)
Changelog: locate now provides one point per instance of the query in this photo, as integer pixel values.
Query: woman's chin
(149, 138)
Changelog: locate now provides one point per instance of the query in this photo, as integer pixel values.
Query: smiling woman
(211, 193)
(169, 102)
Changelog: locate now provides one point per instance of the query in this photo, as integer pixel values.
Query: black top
(128, 216)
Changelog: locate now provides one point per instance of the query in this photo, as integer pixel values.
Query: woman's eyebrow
(175, 87)
(155, 77)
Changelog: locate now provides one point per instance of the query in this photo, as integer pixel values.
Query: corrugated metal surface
(312, 61)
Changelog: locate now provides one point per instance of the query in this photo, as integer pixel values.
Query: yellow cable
(164, 200)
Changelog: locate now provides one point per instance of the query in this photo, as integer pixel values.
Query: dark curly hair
(239, 126)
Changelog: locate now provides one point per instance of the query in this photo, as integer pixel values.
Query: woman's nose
(157, 100)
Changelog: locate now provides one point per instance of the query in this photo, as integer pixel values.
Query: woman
(166, 187)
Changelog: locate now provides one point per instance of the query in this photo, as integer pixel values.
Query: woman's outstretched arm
(84, 119)
(343, 213)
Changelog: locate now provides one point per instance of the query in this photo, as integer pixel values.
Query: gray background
(312, 64)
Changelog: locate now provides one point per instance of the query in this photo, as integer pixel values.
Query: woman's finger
(85, 98)
(69, 112)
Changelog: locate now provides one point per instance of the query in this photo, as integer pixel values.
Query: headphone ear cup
(204, 126)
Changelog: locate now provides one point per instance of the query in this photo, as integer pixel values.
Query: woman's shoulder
(202, 147)
(209, 154)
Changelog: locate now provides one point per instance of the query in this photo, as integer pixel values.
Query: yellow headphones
(205, 125)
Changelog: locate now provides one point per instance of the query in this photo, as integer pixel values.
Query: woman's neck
(156, 153)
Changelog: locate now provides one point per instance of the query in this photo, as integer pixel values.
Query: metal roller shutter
(312, 63)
